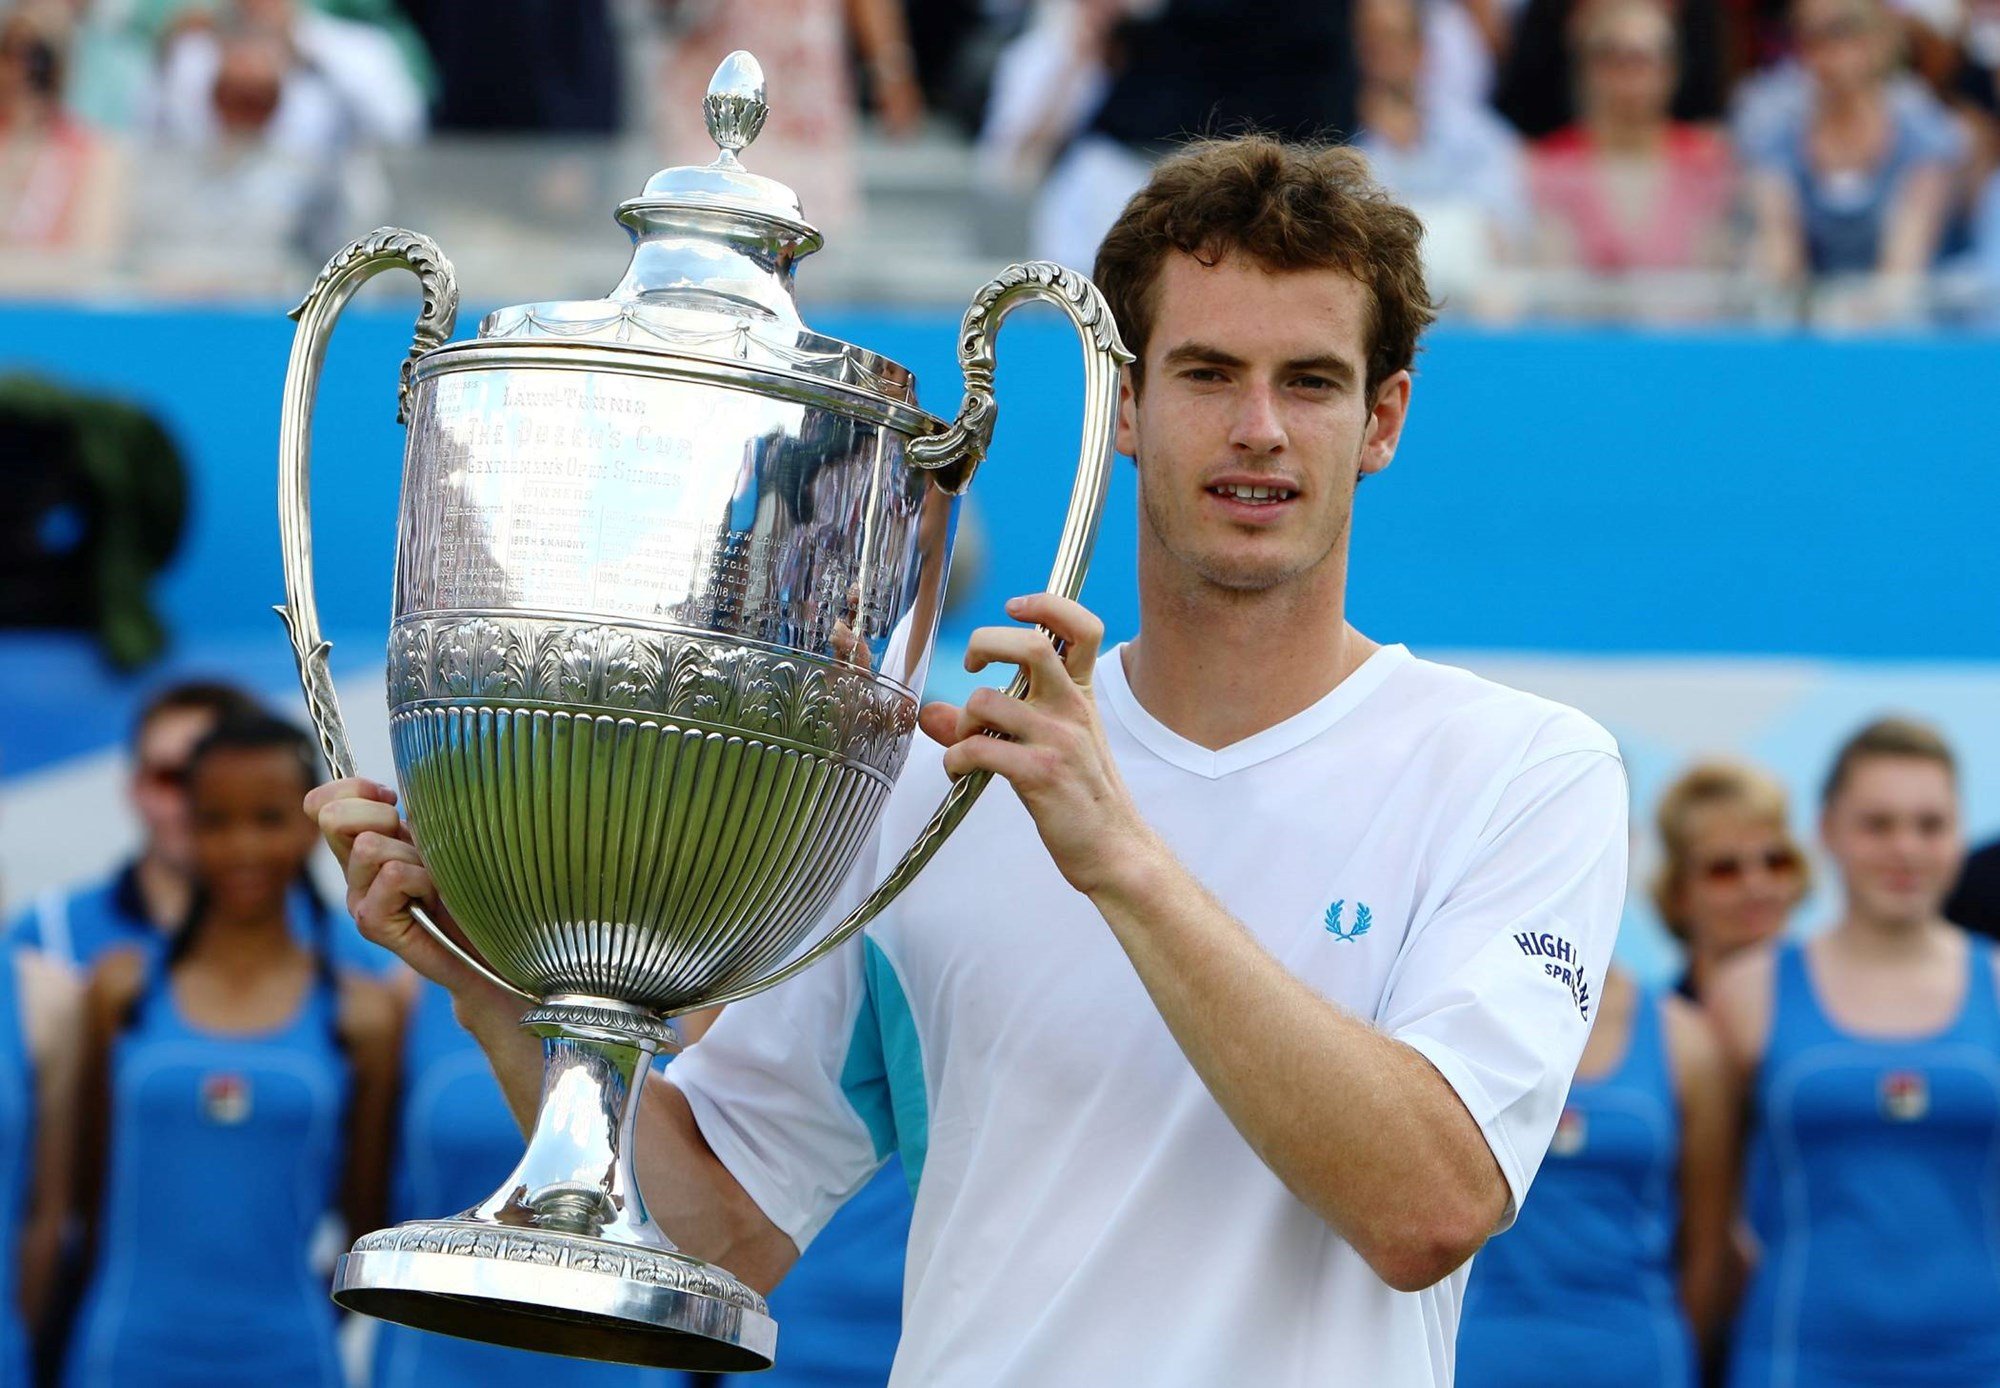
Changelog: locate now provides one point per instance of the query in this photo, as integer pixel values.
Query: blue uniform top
(1875, 1194)
(225, 1154)
(17, 1129)
(1583, 1288)
(79, 924)
(458, 1141)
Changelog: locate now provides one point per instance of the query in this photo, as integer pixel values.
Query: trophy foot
(558, 1293)
(563, 1258)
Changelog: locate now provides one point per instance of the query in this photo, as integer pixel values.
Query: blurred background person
(238, 1089)
(60, 181)
(1537, 88)
(1975, 902)
(524, 66)
(146, 898)
(1449, 158)
(1180, 68)
(1871, 1055)
(1620, 1257)
(1730, 873)
(1851, 173)
(1627, 190)
(803, 45)
(41, 1046)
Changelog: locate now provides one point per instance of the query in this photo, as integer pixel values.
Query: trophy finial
(735, 107)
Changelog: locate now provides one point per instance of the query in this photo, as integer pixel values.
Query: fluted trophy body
(669, 568)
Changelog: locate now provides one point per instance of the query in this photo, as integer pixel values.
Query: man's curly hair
(1287, 207)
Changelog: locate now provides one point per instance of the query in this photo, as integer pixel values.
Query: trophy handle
(953, 456)
(387, 248)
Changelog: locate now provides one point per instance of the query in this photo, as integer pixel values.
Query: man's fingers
(1020, 646)
(369, 855)
(342, 821)
(1075, 625)
(347, 788)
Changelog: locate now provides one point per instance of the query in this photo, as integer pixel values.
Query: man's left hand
(1052, 748)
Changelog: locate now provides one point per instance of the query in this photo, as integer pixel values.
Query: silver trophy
(668, 572)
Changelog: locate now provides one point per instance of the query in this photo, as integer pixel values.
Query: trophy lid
(713, 255)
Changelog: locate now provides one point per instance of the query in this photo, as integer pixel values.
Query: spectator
(375, 98)
(1451, 161)
(1975, 902)
(1852, 173)
(523, 66)
(1628, 188)
(59, 181)
(1537, 87)
(1869, 1052)
(245, 1088)
(808, 142)
(1194, 67)
(1730, 872)
(41, 1042)
(149, 895)
(1621, 1259)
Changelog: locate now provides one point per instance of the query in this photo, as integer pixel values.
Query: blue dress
(226, 1152)
(1875, 1194)
(17, 1145)
(1584, 1287)
(458, 1142)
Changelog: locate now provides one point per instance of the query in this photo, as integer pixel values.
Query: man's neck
(165, 891)
(1217, 667)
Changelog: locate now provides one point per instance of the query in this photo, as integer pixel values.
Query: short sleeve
(772, 1086)
(1497, 987)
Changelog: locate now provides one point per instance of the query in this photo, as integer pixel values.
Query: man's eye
(1201, 373)
(1313, 383)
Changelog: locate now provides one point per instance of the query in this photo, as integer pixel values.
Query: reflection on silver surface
(669, 569)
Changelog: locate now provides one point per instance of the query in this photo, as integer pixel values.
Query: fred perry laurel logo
(1363, 918)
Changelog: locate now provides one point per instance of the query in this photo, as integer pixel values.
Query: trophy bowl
(669, 567)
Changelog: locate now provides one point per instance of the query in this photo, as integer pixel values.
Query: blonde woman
(1730, 874)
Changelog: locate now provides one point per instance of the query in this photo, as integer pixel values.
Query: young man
(146, 898)
(1219, 1044)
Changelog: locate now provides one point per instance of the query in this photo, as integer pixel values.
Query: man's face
(159, 782)
(1252, 427)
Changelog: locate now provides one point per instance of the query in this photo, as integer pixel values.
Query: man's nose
(1257, 427)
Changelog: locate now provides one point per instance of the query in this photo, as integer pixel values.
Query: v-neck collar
(1214, 763)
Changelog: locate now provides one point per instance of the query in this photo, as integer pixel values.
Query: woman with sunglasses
(237, 1090)
(1730, 874)
(1619, 1258)
(1872, 1053)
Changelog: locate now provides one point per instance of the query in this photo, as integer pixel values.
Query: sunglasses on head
(1778, 862)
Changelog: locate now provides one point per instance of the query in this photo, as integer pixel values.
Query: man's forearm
(1359, 1126)
(514, 1055)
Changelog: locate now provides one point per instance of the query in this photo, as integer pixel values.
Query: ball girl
(238, 1089)
(1873, 1052)
(1619, 1258)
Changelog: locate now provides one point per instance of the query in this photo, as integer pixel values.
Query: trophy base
(560, 1294)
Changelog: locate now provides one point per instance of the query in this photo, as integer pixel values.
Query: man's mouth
(1252, 495)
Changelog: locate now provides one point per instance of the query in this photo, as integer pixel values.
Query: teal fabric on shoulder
(884, 1075)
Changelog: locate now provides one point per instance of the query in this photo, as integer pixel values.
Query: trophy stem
(577, 1176)
(563, 1257)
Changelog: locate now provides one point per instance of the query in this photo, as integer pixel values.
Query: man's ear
(1386, 415)
(1126, 440)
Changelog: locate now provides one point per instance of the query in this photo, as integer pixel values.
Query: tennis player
(1219, 1041)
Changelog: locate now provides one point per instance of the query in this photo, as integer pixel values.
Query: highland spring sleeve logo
(1559, 960)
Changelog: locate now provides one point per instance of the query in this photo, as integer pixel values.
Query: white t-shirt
(1428, 850)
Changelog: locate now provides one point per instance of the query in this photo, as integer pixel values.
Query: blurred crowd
(1782, 1160)
(1663, 160)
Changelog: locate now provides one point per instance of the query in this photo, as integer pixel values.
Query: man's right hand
(386, 876)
